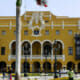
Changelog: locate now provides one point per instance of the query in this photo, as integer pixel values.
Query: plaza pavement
(76, 77)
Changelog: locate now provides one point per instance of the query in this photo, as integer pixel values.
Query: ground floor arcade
(38, 66)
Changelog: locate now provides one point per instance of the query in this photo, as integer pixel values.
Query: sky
(69, 8)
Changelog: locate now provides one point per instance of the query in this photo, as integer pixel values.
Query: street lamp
(25, 63)
(55, 65)
(47, 53)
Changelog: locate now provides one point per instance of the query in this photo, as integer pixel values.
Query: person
(75, 72)
(59, 73)
(9, 73)
(3, 73)
(70, 74)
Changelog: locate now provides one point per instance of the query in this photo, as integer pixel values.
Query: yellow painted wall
(67, 39)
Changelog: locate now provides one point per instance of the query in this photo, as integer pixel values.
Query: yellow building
(39, 30)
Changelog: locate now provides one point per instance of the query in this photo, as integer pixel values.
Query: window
(2, 50)
(47, 32)
(78, 50)
(78, 42)
(14, 32)
(46, 21)
(3, 32)
(70, 32)
(28, 22)
(26, 32)
(70, 50)
(57, 32)
(36, 32)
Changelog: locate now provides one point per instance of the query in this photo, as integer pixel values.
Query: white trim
(61, 43)
(7, 25)
(8, 65)
(10, 25)
(46, 41)
(4, 25)
(50, 16)
(52, 25)
(36, 41)
(7, 18)
(24, 25)
(36, 27)
(25, 41)
(62, 24)
(79, 24)
(11, 43)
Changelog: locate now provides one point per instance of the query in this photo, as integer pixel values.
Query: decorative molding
(11, 43)
(25, 41)
(10, 25)
(36, 27)
(7, 18)
(79, 24)
(60, 42)
(24, 25)
(50, 16)
(62, 24)
(52, 25)
(46, 41)
(36, 41)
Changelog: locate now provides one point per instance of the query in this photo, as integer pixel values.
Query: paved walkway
(42, 77)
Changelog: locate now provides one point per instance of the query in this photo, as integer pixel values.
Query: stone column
(51, 67)
(41, 67)
(76, 68)
(52, 54)
(64, 66)
(30, 67)
(31, 53)
(7, 67)
(41, 51)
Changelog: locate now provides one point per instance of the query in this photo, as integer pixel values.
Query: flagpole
(18, 40)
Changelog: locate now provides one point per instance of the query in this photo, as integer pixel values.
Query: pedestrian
(59, 73)
(9, 74)
(70, 74)
(3, 73)
(75, 72)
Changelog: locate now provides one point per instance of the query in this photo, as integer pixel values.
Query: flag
(41, 2)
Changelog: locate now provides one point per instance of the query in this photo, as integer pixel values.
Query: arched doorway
(47, 67)
(26, 48)
(36, 67)
(70, 65)
(13, 67)
(59, 48)
(47, 48)
(36, 48)
(78, 67)
(2, 66)
(13, 48)
(59, 66)
(26, 67)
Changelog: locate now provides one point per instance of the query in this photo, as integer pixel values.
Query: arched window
(13, 48)
(2, 66)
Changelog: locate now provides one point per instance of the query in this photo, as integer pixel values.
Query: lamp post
(55, 65)
(18, 39)
(26, 49)
(46, 54)
(25, 72)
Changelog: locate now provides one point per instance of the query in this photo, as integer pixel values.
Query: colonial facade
(39, 30)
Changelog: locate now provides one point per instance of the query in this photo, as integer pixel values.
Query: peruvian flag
(41, 2)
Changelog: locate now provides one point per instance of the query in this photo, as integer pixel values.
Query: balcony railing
(37, 57)
(22, 57)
